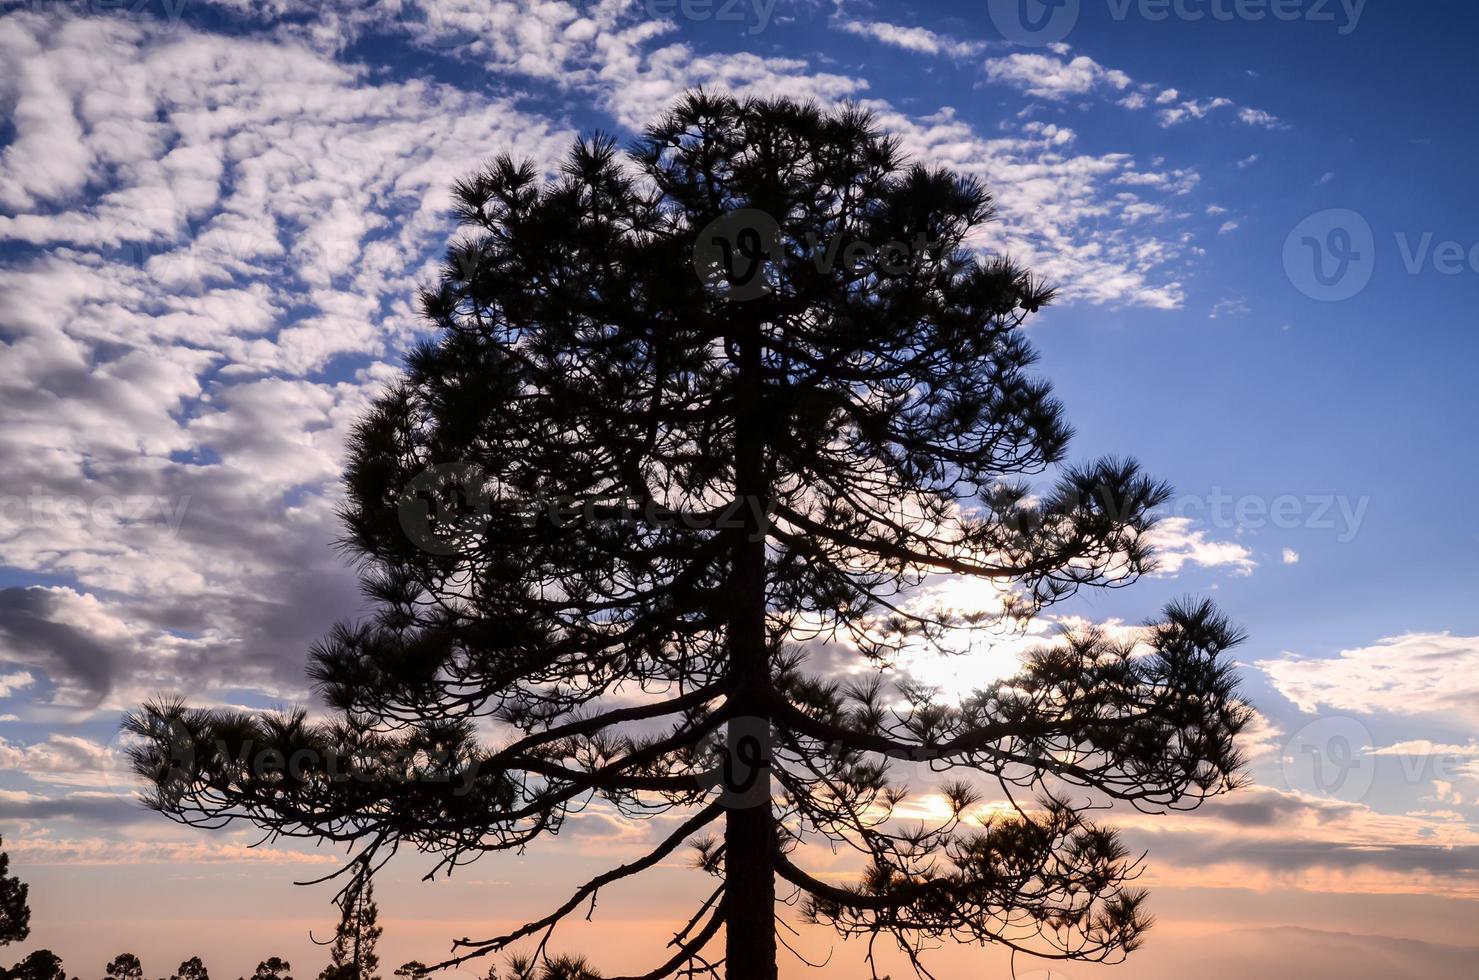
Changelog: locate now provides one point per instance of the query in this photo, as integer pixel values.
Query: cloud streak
(1417, 673)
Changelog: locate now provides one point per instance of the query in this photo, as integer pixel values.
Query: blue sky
(213, 216)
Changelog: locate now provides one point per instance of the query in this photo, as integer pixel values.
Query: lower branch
(695, 823)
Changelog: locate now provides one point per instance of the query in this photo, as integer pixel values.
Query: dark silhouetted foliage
(660, 522)
(191, 969)
(41, 964)
(15, 914)
(125, 966)
(353, 955)
(549, 968)
(273, 968)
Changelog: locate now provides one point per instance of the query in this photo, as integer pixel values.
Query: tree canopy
(352, 954)
(273, 968)
(15, 913)
(39, 964)
(191, 969)
(124, 966)
(660, 504)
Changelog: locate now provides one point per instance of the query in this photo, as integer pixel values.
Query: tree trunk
(749, 838)
(749, 832)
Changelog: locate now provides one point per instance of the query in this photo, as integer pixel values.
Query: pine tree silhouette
(658, 501)
(272, 968)
(124, 966)
(353, 956)
(191, 969)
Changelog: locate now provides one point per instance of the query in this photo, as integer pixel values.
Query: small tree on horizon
(659, 508)
(191, 969)
(353, 955)
(272, 968)
(15, 913)
(124, 966)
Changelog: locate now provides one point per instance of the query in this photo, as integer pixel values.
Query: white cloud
(1418, 673)
(1267, 838)
(626, 69)
(175, 445)
(1423, 747)
(1191, 109)
(1046, 76)
(917, 39)
(15, 681)
(1291, 557)
(1234, 306)
(66, 760)
(1179, 181)
(1054, 213)
(1257, 117)
(1261, 739)
(1056, 76)
(37, 852)
(1178, 542)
